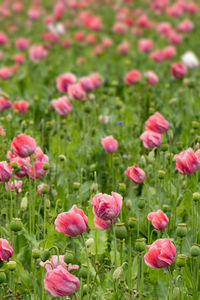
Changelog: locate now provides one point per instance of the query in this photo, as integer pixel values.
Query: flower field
(100, 149)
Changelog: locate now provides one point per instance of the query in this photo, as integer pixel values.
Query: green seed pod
(176, 293)
(36, 253)
(46, 166)
(83, 272)
(181, 260)
(161, 174)
(84, 289)
(62, 157)
(87, 109)
(76, 186)
(2, 277)
(170, 156)
(116, 160)
(165, 207)
(195, 125)
(129, 203)
(196, 197)
(141, 203)
(181, 230)
(45, 255)
(164, 147)
(132, 222)
(93, 167)
(122, 187)
(195, 251)
(140, 245)
(68, 257)
(120, 231)
(11, 265)
(16, 225)
(151, 110)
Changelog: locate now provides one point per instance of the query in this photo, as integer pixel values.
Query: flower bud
(117, 273)
(68, 257)
(45, 255)
(15, 165)
(2, 276)
(16, 225)
(122, 187)
(181, 260)
(195, 251)
(76, 186)
(94, 187)
(196, 197)
(24, 203)
(11, 265)
(36, 253)
(120, 231)
(45, 189)
(181, 230)
(161, 174)
(46, 166)
(176, 293)
(132, 222)
(89, 242)
(140, 245)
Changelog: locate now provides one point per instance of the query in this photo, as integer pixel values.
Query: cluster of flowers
(67, 83)
(25, 159)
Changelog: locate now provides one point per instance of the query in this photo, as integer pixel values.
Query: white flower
(60, 28)
(190, 60)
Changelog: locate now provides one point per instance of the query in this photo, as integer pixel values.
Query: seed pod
(62, 157)
(161, 174)
(141, 203)
(140, 245)
(16, 225)
(196, 197)
(122, 187)
(83, 272)
(36, 253)
(11, 265)
(132, 222)
(2, 276)
(164, 147)
(120, 231)
(195, 251)
(181, 230)
(68, 257)
(181, 260)
(76, 186)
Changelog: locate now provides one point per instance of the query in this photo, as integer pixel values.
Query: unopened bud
(11, 265)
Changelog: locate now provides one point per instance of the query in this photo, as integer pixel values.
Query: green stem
(87, 257)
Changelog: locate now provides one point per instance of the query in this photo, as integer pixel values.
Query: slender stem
(87, 257)
(115, 244)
